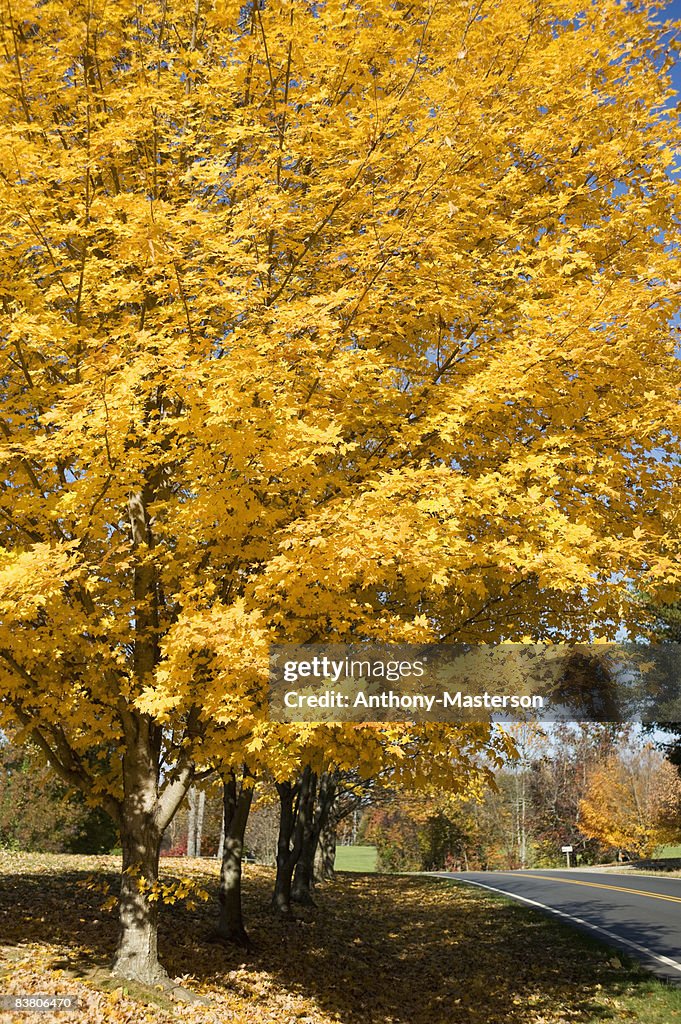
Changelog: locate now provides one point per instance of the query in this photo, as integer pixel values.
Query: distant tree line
(605, 790)
(39, 812)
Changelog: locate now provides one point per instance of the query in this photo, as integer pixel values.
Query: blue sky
(673, 10)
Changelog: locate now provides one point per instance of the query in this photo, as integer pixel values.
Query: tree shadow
(378, 949)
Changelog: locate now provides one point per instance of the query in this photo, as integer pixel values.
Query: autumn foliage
(633, 803)
(420, 951)
(38, 812)
(318, 321)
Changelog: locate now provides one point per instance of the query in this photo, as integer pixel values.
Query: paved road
(640, 914)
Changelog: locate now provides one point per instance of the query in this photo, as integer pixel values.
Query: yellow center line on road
(598, 885)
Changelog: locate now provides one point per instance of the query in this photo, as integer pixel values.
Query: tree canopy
(319, 321)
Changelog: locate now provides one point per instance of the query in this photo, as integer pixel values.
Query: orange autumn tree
(319, 321)
(633, 802)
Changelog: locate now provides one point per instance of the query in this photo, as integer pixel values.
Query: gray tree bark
(146, 809)
(137, 950)
(325, 861)
(145, 813)
(200, 811)
(293, 809)
(221, 842)
(317, 813)
(237, 799)
(302, 883)
(191, 822)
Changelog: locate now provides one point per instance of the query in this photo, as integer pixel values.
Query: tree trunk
(200, 811)
(137, 954)
(326, 854)
(303, 878)
(292, 801)
(281, 897)
(147, 807)
(221, 843)
(317, 816)
(302, 889)
(191, 823)
(230, 927)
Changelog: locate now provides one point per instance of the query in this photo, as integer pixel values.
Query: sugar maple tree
(411, 756)
(305, 763)
(319, 321)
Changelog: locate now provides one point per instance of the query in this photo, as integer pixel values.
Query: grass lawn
(379, 949)
(356, 858)
(667, 851)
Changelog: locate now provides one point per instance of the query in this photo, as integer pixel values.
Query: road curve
(640, 914)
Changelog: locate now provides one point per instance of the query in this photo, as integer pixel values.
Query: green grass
(356, 858)
(660, 1004)
(667, 851)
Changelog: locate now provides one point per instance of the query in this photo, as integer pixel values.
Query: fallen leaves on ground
(378, 949)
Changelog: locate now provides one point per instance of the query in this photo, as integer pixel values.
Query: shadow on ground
(377, 949)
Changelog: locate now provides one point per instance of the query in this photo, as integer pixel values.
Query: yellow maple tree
(319, 321)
